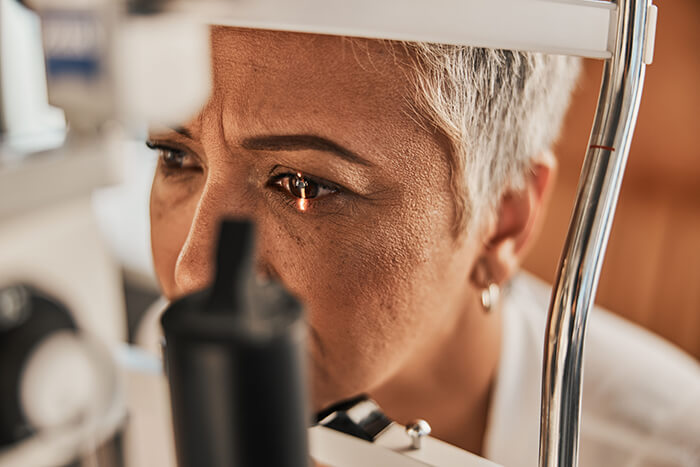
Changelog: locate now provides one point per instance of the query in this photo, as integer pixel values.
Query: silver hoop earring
(489, 296)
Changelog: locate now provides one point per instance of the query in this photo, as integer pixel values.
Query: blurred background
(651, 273)
(74, 220)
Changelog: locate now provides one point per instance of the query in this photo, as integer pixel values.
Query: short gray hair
(499, 110)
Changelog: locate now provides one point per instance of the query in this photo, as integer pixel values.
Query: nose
(194, 268)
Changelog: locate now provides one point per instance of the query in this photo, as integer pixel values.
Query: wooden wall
(651, 274)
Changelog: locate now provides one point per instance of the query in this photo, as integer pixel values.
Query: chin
(327, 390)
(324, 392)
(330, 380)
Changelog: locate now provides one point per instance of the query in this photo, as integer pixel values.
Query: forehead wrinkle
(286, 52)
(213, 130)
(350, 90)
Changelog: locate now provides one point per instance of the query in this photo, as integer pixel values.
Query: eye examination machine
(80, 79)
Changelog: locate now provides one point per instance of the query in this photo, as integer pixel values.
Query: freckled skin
(385, 283)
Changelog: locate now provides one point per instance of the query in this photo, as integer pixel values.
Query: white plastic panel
(339, 450)
(60, 251)
(391, 449)
(432, 450)
(30, 123)
(572, 27)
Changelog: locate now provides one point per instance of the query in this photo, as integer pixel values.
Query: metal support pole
(584, 249)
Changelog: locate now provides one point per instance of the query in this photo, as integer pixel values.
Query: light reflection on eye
(302, 204)
(302, 188)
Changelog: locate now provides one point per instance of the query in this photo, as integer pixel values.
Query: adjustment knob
(416, 430)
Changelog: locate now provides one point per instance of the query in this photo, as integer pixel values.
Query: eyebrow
(183, 131)
(302, 142)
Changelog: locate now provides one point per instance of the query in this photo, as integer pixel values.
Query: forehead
(270, 73)
(354, 91)
(259, 57)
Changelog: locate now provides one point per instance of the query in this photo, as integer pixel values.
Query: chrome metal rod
(586, 241)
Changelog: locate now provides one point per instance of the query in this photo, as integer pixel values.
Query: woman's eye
(172, 158)
(301, 187)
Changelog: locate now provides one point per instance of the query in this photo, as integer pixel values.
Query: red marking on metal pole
(595, 146)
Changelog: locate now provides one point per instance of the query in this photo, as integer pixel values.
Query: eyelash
(281, 182)
(171, 167)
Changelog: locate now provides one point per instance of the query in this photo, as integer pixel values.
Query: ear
(517, 223)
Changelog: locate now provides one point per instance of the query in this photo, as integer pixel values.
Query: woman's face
(314, 139)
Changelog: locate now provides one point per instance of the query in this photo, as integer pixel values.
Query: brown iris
(302, 188)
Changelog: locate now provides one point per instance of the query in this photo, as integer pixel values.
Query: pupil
(302, 188)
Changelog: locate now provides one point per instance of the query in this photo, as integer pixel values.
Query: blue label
(72, 43)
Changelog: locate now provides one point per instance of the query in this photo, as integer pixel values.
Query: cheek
(172, 209)
(365, 280)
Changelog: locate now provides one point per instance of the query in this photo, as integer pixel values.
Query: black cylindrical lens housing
(237, 380)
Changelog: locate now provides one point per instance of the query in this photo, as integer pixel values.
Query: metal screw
(416, 430)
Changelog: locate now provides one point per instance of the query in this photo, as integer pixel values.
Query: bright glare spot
(302, 204)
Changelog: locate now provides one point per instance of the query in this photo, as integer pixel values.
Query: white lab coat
(641, 395)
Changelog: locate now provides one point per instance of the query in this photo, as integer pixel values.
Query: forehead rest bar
(569, 27)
